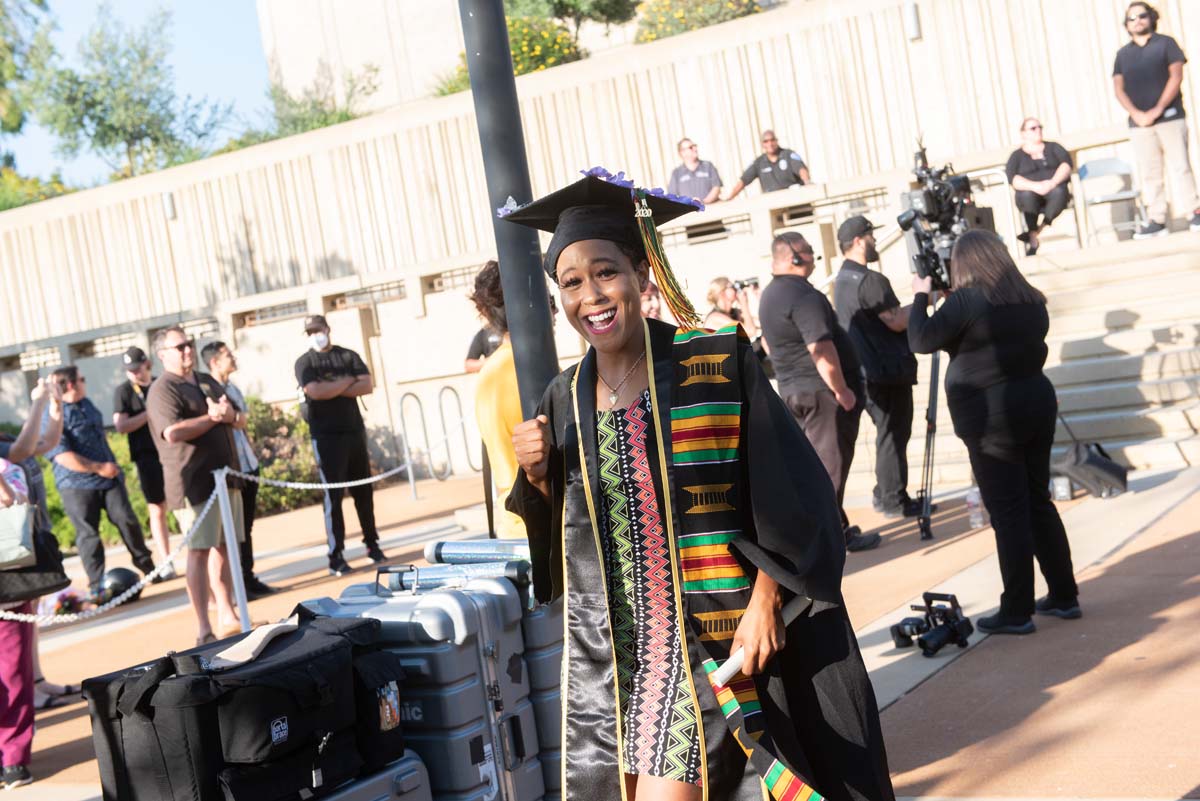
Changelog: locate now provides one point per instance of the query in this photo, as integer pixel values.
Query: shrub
(536, 44)
(283, 446)
(663, 18)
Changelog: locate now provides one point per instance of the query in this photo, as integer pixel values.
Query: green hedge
(663, 18)
(284, 450)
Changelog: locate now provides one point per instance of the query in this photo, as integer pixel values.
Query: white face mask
(319, 340)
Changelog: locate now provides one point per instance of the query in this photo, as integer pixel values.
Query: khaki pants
(1162, 152)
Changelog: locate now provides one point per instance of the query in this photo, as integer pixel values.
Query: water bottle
(975, 508)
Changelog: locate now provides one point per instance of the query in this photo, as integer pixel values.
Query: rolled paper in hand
(722, 675)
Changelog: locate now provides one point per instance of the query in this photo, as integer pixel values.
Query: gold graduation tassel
(681, 308)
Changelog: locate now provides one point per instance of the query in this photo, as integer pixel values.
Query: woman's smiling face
(601, 292)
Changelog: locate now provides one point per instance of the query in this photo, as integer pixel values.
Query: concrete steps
(1124, 356)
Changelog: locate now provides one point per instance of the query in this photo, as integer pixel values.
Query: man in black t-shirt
(776, 168)
(868, 309)
(1147, 80)
(816, 366)
(332, 379)
(129, 418)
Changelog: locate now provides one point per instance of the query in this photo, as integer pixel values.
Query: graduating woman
(676, 508)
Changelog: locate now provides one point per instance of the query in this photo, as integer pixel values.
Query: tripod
(925, 494)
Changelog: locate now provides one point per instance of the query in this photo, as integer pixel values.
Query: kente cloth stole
(706, 409)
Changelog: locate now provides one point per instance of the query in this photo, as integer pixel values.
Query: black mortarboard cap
(598, 206)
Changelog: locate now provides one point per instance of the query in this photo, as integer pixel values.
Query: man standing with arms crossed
(333, 378)
(1148, 83)
(817, 369)
(129, 418)
(191, 422)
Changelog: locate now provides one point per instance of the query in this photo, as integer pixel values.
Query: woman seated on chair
(1039, 172)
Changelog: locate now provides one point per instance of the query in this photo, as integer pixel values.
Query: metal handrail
(440, 476)
(462, 425)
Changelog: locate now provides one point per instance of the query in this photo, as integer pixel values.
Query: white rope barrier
(112, 603)
(220, 495)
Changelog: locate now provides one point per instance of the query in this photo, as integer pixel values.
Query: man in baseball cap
(868, 309)
(332, 378)
(129, 418)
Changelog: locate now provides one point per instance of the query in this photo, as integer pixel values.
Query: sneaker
(1151, 230)
(166, 575)
(857, 541)
(1067, 609)
(1005, 624)
(1194, 223)
(376, 554)
(338, 567)
(257, 588)
(15, 776)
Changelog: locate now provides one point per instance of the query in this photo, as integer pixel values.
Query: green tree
(575, 12)
(19, 190)
(121, 102)
(19, 20)
(316, 106)
(537, 43)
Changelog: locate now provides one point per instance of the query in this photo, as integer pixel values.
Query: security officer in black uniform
(868, 309)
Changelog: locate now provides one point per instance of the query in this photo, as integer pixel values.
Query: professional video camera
(936, 215)
(943, 623)
(742, 283)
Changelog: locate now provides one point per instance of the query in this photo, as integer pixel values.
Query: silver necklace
(615, 392)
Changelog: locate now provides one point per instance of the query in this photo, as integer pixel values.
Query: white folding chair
(1111, 168)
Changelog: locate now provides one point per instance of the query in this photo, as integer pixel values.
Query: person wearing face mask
(869, 312)
(333, 378)
(674, 507)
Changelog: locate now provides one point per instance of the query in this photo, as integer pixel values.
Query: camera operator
(733, 303)
(868, 309)
(1003, 407)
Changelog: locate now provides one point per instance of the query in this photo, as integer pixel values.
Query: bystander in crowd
(1148, 83)
(89, 480)
(483, 345)
(129, 418)
(694, 178)
(333, 378)
(16, 662)
(1040, 175)
(729, 304)
(222, 363)
(192, 423)
(818, 372)
(776, 168)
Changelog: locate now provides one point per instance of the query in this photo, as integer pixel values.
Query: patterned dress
(658, 717)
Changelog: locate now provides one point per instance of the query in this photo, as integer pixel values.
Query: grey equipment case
(403, 780)
(465, 702)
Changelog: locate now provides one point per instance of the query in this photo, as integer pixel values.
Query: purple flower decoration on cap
(618, 179)
(508, 208)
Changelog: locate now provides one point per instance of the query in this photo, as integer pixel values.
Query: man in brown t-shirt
(192, 423)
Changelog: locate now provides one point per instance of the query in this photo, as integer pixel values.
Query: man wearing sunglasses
(777, 168)
(1147, 80)
(90, 481)
(192, 422)
(694, 178)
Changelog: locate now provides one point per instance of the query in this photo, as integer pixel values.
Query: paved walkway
(1012, 717)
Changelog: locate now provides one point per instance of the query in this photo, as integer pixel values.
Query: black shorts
(150, 475)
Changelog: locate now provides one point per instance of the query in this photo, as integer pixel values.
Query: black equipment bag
(277, 727)
(1088, 465)
(378, 677)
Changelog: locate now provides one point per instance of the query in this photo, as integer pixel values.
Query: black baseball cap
(134, 357)
(854, 227)
(314, 322)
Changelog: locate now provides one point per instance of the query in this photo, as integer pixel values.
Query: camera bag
(1088, 465)
(191, 727)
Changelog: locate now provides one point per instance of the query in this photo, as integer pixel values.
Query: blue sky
(216, 52)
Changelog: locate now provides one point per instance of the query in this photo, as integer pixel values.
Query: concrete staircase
(1124, 356)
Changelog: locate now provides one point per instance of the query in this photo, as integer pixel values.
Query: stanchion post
(232, 551)
(408, 470)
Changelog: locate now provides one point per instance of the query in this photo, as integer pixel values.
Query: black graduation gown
(818, 702)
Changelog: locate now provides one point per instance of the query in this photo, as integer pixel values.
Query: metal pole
(232, 552)
(506, 170)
